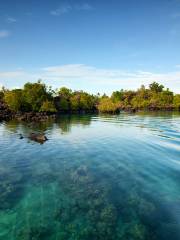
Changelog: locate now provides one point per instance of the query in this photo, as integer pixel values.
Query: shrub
(106, 105)
(48, 106)
(176, 101)
(14, 99)
(35, 95)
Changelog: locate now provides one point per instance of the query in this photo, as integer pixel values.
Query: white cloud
(12, 79)
(11, 20)
(61, 10)
(92, 79)
(4, 33)
(177, 66)
(66, 8)
(12, 74)
(108, 79)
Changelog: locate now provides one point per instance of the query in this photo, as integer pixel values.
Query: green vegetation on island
(37, 97)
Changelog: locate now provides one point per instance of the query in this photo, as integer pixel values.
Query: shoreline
(7, 115)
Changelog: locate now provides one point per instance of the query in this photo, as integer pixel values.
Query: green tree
(106, 105)
(1, 95)
(35, 94)
(127, 98)
(37, 97)
(48, 106)
(75, 102)
(82, 101)
(64, 105)
(117, 96)
(87, 101)
(14, 99)
(176, 101)
(65, 93)
(156, 87)
(166, 98)
(63, 99)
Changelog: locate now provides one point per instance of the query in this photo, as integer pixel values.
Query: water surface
(97, 177)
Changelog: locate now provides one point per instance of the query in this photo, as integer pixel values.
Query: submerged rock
(34, 116)
(11, 187)
(38, 137)
(21, 136)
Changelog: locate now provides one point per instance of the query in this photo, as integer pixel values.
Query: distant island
(36, 101)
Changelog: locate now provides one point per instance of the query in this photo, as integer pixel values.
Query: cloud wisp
(4, 33)
(111, 77)
(66, 8)
(92, 79)
(11, 20)
(61, 10)
(11, 74)
(83, 7)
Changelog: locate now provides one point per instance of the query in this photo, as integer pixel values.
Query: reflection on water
(98, 177)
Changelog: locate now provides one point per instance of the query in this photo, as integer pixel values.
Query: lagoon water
(97, 177)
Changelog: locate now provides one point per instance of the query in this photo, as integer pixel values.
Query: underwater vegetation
(85, 208)
(90, 205)
(92, 212)
(10, 187)
(91, 183)
(34, 233)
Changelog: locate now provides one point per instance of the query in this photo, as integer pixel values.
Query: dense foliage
(35, 94)
(37, 97)
(33, 97)
(14, 99)
(106, 104)
(1, 94)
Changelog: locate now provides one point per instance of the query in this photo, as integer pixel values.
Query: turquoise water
(97, 177)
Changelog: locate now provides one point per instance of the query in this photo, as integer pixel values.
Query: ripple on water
(98, 177)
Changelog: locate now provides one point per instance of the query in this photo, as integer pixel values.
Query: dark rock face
(38, 137)
(34, 117)
(130, 110)
(5, 113)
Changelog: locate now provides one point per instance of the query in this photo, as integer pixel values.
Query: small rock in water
(21, 136)
(38, 137)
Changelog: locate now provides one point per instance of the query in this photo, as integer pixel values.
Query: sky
(96, 46)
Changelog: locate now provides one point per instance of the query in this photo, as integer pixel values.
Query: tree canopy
(37, 97)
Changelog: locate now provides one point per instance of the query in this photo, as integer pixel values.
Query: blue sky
(98, 46)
